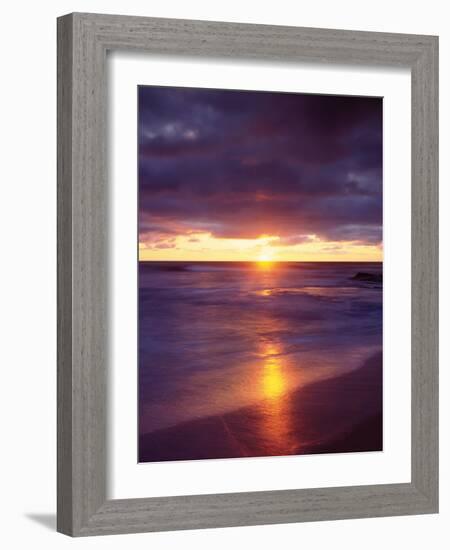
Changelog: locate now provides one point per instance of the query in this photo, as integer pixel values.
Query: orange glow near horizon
(265, 249)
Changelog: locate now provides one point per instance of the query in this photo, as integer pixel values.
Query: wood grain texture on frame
(83, 41)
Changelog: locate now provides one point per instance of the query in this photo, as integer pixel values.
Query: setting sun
(265, 257)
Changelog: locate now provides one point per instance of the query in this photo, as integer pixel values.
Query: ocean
(233, 353)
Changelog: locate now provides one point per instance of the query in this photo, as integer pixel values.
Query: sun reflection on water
(264, 265)
(273, 381)
(265, 292)
(276, 425)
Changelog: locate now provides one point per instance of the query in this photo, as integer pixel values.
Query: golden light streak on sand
(276, 415)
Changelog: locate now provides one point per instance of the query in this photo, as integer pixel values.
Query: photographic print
(260, 274)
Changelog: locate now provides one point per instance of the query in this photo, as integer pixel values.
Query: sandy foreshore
(341, 414)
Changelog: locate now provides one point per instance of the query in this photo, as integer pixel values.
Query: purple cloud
(242, 164)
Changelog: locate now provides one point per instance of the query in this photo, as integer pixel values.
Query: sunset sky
(259, 176)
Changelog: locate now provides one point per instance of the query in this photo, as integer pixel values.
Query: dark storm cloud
(242, 164)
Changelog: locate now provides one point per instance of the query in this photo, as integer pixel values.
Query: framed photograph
(247, 274)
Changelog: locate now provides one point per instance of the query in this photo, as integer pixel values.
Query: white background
(131, 480)
(28, 304)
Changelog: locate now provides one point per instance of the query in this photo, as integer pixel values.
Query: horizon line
(269, 261)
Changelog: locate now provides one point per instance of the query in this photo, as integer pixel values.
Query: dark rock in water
(368, 277)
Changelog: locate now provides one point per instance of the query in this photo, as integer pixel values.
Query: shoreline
(340, 414)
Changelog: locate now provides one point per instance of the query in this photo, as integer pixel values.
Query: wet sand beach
(339, 414)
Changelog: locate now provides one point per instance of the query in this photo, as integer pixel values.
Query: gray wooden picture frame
(83, 41)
